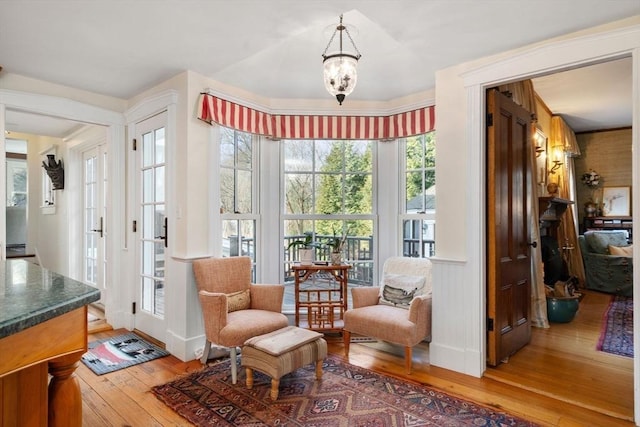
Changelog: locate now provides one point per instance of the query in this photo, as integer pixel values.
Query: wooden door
(509, 204)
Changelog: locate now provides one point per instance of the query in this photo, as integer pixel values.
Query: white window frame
(404, 215)
(254, 215)
(316, 216)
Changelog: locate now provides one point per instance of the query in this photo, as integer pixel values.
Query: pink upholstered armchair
(233, 308)
(398, 311)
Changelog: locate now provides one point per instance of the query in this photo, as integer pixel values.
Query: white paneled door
(94, 259)
(151, 225)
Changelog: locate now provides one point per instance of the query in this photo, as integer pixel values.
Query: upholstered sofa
(398, 311)
(603, 271)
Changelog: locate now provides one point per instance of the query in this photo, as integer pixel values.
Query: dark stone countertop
(30, 294)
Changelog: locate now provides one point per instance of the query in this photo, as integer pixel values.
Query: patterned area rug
(616, 336)
(120, 352)
(346, 396)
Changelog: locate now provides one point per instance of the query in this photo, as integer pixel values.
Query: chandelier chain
(329, 44)
(346, 30)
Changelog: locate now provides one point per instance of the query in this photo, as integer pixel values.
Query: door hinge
(135, 226)
(490, 324)
(133, 307)
(490, 119)
(135, 144)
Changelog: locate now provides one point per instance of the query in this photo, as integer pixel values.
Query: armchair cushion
(240, 300)
(399, 289)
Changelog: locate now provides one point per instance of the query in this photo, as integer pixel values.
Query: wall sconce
(555, 167)
(540, 141)
(554, 159)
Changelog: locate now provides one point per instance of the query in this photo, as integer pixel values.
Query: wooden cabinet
(610, 223)
(551, 211)
(321, 296)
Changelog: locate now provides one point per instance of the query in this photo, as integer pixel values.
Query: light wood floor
(559, 379)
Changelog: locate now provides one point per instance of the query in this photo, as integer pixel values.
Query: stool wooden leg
(275, 384)
(319, 369)
(249, 372)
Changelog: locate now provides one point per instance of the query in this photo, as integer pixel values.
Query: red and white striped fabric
(226, 113)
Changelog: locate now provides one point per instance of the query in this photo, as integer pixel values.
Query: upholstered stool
(281, 352)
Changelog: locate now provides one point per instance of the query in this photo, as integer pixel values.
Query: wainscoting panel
(456, 318)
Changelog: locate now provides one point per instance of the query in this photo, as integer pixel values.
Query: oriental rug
(120, 352)
(616, 336)
(346, 395)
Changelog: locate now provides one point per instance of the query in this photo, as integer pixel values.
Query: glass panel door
(95, 219)
(152, 226)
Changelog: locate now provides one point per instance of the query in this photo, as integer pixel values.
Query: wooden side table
(321, 294)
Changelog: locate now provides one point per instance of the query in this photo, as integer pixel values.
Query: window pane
(298, 193)
(358, 156)
(244, 192)
(418, 238)
(298, 156)
(329, 156)
(358, 194)
(148, 221)
(227, 147)
(147, 149)
(159, 136)
(159, 184)
(147, 186)
(238, 238)
(244, 150)
(227, 190)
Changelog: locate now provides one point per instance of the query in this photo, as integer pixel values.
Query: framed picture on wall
(616, 201)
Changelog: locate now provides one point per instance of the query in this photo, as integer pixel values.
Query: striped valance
(226, 113)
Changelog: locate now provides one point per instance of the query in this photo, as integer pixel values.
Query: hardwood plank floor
(559, 379)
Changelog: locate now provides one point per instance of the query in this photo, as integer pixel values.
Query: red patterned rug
(347, 395)
(616, 336)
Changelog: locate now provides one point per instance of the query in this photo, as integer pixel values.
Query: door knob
(533, 244)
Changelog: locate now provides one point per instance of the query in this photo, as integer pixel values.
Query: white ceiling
(273, 47)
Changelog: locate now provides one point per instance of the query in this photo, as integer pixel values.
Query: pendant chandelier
(340, 68)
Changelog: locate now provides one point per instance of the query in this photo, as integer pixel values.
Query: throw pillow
(621, 250)
(599, 241)
(400, 289)
(239, 300)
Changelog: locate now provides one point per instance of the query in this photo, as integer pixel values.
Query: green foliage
(306, 243)
(345, 187)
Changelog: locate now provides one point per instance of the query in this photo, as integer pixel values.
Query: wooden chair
(233, 308)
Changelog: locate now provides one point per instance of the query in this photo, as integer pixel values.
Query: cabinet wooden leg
(65, 399)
